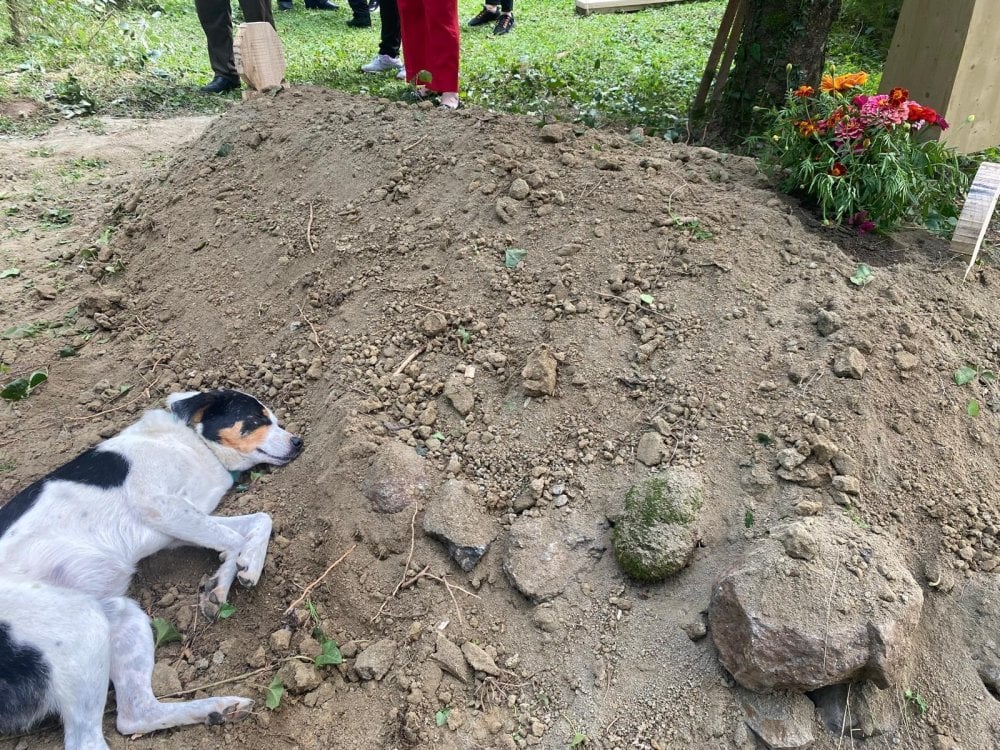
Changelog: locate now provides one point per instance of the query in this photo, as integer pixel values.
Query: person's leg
(443, 49)
(362, 18)
(255, 11)
(413, 32)
(391, 35)
(216, 19)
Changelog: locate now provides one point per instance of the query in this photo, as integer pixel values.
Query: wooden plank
(260, 58)
(712, 66)
(731, 46)
(977, 212)
(586, 7)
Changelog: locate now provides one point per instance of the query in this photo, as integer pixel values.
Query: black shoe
(220, 85)
(504, 24)
(484, 16)
(284, 4)
(359, 22)
(321, 5)
(373, 6)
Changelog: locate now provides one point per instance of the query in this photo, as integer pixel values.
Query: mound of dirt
(550, 314)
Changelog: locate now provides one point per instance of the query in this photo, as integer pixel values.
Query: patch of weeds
(748, 519)
(694, 228)
(916, 700)
(764, 439)
(73, 100)
(969, 373)
(77, 169)
(53, 218)
(43, 152)
(464, 336)
(330, 654)
(856, 518)
(7, 464)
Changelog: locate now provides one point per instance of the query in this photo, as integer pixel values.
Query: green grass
(632, 69)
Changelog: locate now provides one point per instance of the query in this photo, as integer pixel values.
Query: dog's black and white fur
(70, 543)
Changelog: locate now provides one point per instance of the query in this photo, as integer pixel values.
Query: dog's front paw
(230, 711)
(209, 601)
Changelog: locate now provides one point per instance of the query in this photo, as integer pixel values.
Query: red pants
(430, 41)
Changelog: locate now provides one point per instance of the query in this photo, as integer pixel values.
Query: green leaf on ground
(164, 632)
(972, 408)
(964, 375)
(8, 272)
(442, 716)
(226, 611)
(513, 256)
(331, 654)
(275, 691)
(863, 274)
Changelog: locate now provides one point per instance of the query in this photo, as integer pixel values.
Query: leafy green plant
(226, 610)
(9, 272)
(859, 158)
(915, 699)
(748, 519)
(21, 388)
(579, 738)
(968, 373)
(164, 632)
(331, 654)
(972, 408)
(441, 717)
(274, 693)
(863, 275)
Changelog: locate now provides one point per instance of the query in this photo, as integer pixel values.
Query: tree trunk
(14, 15)
(777, 34)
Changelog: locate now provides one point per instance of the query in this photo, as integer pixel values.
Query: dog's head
(239, 429)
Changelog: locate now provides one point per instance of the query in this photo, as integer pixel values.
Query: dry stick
(311, 586)
(402, 365)
(237, 678)
(311, 326)
(409, 559)
(829, 607)
(418, 141)
(309, 227)
(431, 309)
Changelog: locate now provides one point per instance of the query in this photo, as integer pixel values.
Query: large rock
(374, 662)
(539, 373)
(848, 612)
(543, 555)
(656, 536)
(782, 722)
(456, 518)
(396, 479)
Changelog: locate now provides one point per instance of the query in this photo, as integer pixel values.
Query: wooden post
(947, 55)
(977, 213)
(726, 41)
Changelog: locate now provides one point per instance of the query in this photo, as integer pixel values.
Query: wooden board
(586, 7)
(977, 212)
(260, 58)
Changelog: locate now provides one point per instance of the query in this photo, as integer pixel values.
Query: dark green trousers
(216, 18)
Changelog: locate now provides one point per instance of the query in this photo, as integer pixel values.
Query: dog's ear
(190, 405)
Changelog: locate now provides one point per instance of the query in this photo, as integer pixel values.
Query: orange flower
(838, 169)
(898, 95)
(804, 91)
(843, 83)
(806, 128)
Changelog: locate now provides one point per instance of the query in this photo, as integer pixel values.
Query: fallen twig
(309, 227)
(409, 358)
(311, 586)
(316, 340)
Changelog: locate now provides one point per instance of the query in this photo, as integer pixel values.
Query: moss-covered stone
(655, 536)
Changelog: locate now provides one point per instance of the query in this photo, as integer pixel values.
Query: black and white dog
(70, 543)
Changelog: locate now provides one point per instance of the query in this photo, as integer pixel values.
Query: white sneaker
(401, 75)
(382, 63)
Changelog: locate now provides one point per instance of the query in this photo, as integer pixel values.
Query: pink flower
(882, 110)
(861, 222)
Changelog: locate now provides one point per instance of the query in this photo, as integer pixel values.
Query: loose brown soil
(296, 246)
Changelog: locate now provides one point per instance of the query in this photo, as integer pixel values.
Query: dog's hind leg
(131, 672)
(54, 659)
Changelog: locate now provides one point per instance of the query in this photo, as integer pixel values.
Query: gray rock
(776, 631)
(828, 322)
(799, 543)
(843, 463)
(823, 449)
(544, 554)
(451, 659)
(456, 517)
(906, 361)
(299, 677)
(554, 132)
(655, 536)
(459, 395)
(433, 324)
(651, 448)
(848, 485)
(479, 660)
(850, 363)
(782, 722)
(166, 681)
(397, 478)
(519, 190)
(858, 710)
(789, 458)
(539, 373)
(374, 662)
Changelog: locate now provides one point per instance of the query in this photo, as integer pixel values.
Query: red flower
(898, 95)
(806, 128)
(804, 91)
(861, 222)
(919, 113)
(838, 169)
